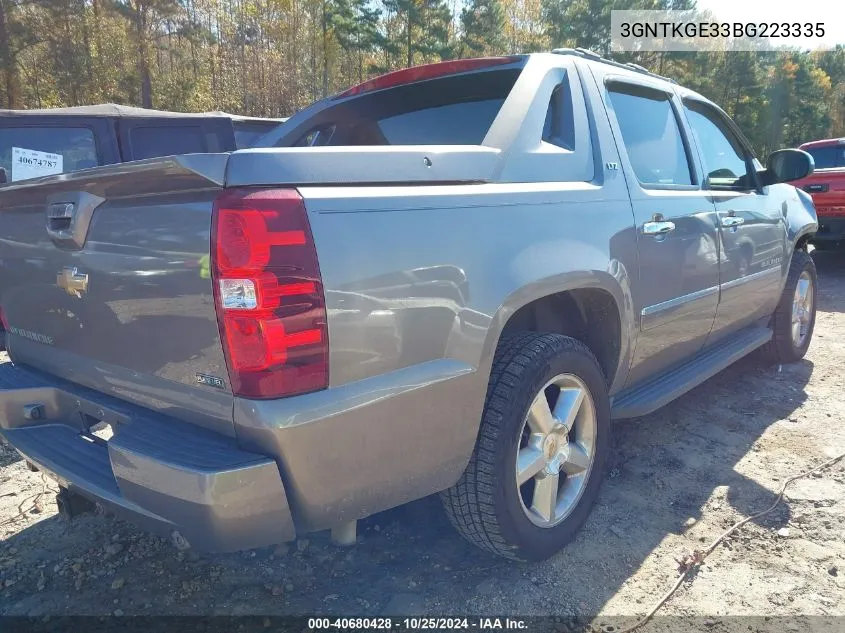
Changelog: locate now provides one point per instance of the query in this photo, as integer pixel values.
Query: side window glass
(152, 141)
(214, 142)
(559, 127)
(651, 135)
(725, 160)
(29, 152)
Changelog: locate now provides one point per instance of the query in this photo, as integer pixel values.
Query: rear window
(828, 157)
(166, 140)
(559, 127)
(453, 110)
(29, 152)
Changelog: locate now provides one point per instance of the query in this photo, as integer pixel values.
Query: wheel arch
(592, 307)
(801, 221)
(803, 240)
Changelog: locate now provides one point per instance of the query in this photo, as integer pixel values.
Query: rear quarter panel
(427, 273)
(419, 285)
(420, 280)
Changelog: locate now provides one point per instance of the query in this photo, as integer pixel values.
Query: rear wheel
(795, 316)
(539, 459)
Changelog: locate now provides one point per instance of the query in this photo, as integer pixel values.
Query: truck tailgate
(827, 186)
(104, 281)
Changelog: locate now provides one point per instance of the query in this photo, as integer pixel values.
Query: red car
(827, 186)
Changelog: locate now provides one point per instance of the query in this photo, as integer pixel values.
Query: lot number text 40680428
(418, 623)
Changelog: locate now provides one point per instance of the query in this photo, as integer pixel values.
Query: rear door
(676, 289)
(752, 221)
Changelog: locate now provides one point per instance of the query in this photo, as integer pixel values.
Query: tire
(487, 505)
(783, 348)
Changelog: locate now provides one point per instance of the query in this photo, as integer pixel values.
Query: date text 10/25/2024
(417, 623)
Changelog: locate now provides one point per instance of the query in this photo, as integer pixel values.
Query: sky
(830, 12)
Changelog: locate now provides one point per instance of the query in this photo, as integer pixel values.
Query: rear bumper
(343, 453)
(156, 471)
(352, 450)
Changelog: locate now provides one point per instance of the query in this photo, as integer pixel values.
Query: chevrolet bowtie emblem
(74, 283)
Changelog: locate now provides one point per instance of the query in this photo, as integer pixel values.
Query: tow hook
(72, 505)
(179, 541)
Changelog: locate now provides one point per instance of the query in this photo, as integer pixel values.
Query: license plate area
(99, 432)
(98, 424)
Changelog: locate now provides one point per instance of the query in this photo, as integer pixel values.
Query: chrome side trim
(762, 274)
(662, 313)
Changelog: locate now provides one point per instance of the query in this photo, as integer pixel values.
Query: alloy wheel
(556, 450)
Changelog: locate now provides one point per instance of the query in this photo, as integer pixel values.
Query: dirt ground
(676, 480)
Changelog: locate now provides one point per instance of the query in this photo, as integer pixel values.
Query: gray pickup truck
(446, 280)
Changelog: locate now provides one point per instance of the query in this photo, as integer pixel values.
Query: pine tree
(272, 57)
(579, 23)
(483, 24)
(145, 17)
(425, 28)
(356, 25)
(809, 113)
(833, 64)
(16, 34)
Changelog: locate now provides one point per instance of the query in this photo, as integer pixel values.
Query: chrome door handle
(729, 221)
(658, 227)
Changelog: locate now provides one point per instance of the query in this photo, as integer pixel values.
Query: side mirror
(786, 165)
(4, 178)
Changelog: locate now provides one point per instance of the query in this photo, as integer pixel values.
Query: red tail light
(3, 324)
(426, 71)
(268, 292)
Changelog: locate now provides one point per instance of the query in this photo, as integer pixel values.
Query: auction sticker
(30, 163)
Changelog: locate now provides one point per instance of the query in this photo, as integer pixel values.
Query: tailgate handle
(59, 217)
(68, 218)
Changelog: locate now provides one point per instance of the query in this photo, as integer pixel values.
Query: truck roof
(115, 110)
(595, 57)
(825, 142)
(296, 128)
